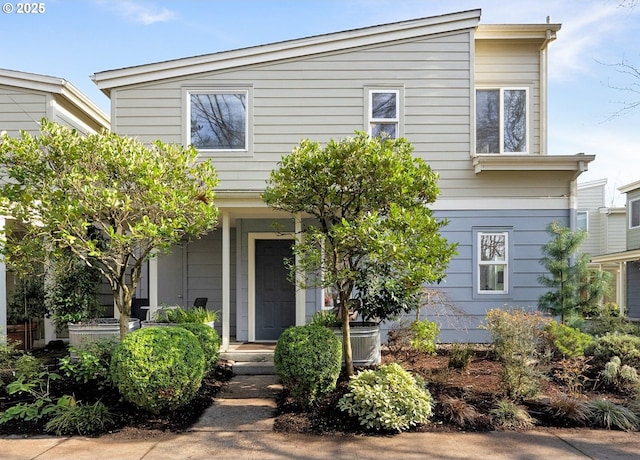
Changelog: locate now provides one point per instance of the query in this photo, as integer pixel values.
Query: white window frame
(480, 263)
(586, 220)
(631, 214)
(528, 114)
(384, 121)
(195, 91)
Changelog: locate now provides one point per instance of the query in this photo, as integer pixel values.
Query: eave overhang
(572, 164)
(617, 257)
(333, 42)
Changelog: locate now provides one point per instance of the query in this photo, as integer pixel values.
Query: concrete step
(253, 356)
(253, 368)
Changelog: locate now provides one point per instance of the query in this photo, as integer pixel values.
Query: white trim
(226, 281)
(631, 202)
(384, 121)
(528, 115)
(251, 277)
(3, 291)
(586, 221)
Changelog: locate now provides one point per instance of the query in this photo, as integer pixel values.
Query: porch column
(226, 280)
(3, 292)
(153, 282)
(300, 293)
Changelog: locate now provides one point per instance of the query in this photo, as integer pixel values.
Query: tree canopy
(373, 226)
(109, 200)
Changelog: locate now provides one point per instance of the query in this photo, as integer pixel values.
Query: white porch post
(153, 282)
(3, 293)
(300, 293)
(226, 280)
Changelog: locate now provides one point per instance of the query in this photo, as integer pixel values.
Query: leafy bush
(569, 341)
(388, 398)
(509, 416)
(424, 335)
(326, 318)
(190, 315)
(73, 417)
(624, 346)
(158, 368)
(572, 373)
(89, 362)
(516, 336)
(308, 360)
(209, 341)
(460, 356)
(606, 414)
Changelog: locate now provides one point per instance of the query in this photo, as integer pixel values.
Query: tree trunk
(123, 303)
(346, 336)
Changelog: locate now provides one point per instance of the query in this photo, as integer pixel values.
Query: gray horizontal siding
(21, 110)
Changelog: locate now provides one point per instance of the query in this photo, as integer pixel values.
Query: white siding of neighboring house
(616, 227)
(591, 199)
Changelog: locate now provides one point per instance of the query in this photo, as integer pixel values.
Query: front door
(275, 295)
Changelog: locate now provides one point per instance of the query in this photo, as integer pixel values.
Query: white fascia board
(333, 42)
(502, 162)
(629, 187)
(516, 31)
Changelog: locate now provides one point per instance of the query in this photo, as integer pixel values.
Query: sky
(73, 39)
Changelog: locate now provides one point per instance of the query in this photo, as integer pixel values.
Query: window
(492, 262)
(384, 113)
(583, 220)
(501, 121)
(634, 213)
(218, 120)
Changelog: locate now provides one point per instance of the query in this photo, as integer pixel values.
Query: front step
(250, 359)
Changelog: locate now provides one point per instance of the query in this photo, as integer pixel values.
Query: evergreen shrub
(158, 368)
(624, 346)
(209, 341)
(388, 398)
(308, 360)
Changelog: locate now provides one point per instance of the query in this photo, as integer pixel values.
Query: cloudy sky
(73, 39)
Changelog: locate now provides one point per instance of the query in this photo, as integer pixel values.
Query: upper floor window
(384, 113)
(218, 120)
(634, 213)
(501, 120)
(583, 220)
(493, 262)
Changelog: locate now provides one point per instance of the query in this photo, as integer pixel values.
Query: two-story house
(606, 231)
(25, 99)
(627, 261)
(471, 98)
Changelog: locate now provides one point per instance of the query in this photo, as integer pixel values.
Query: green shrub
(460, 356)
(423, 336)
(209, 341)
(158, 368)
(516, 337)
(89, 362)
(624, 346)
(569, 341)
(308, 360)
(73, 417)
(388, 398)
(189, 315)
(619, 376)
(326, 318)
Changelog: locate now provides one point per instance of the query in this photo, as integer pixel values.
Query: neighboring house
(471, 98)
(627, 262)
(25, 99)
(606, 228)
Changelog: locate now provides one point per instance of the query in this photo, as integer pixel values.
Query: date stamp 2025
(24, 8)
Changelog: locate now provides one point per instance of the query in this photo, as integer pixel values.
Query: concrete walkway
(240, 426)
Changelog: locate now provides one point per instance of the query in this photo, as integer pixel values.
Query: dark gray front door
(275, 295)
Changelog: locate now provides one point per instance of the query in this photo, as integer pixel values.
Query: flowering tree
(110, 201)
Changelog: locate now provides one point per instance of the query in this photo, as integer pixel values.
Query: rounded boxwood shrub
(308, 360)
(388, 398)
(158, 368)
(209, 341)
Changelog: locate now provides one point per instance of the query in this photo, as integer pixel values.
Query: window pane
(582, 220)
(492, 247)
(383, 130)
(383, 105)
(492, 277)
(487, 121)
(635, 213)
(515, 120)
(218, 121)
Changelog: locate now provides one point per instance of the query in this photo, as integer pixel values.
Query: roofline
(337, 41)
(629, 187)
(593, 183)
(55, 85)
(516, 31)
